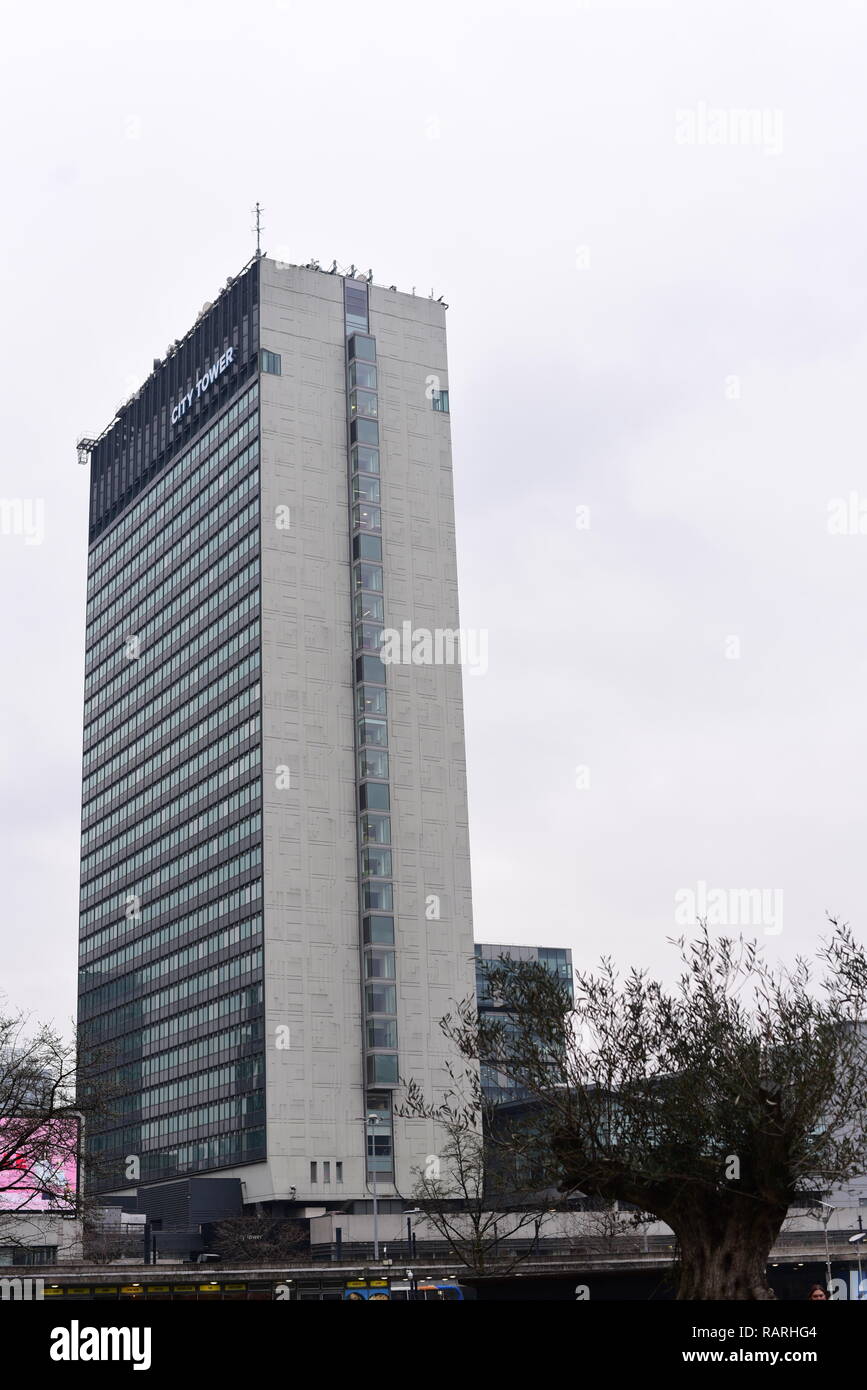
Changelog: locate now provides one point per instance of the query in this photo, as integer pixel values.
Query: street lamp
(373, 1120)
(410, 1239)
(831, 1210)
(856, 1240)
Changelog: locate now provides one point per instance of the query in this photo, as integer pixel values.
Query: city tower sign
(207, 379)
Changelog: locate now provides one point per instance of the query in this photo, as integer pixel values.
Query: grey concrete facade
(315, 1094)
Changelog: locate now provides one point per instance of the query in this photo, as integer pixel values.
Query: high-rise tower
(275, 906)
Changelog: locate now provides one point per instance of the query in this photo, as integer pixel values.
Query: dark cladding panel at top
(217, 356)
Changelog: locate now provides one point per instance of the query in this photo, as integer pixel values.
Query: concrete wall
(315, 1095)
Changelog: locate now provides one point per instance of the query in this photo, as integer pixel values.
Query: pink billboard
(39, 1165)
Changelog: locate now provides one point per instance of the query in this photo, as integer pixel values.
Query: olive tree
(710, 1105)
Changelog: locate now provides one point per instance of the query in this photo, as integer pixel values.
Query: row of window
(170, 902)
(188, 681)
(149, 713)
(25, 1256)
(374, 825)
(236, 1108)
(200, 1017)
(239, 801)
(136, 980)
(242, 1146)
(192, 1053)
(240, 702)
(182, 805)
(119, 689)
(218, 1152)
(239, 1074)
(179, 585)
(185, 863)
(224, 747)
(176, 930)
(246, 489)
(148, 651)
(130, 1015)
(120, 528)
(244, 611)
(326, 1171)
(249, 515)
(183, 532)
(164, 520)
(128, 1138)
(205, 981)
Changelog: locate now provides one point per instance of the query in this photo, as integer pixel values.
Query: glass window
(373, 762)
(364, 460)
(364, 432)
(363, 347)
(368, 608)
(378, 897)
(338, 1172)
(363, 403)
(382, 1032)
(368, 517)
(373, 732)
(381, 1106)
(364, 488)
(368, 637)
(369, 668)
(375, 862)
(326, 1166)
(370, 699)
(368, 577)
(382, 1069)
(379, 929)
(270, 362)
(379, 965)
(362, 374)
(378, 1143)
(373, 796)
(440, 401)
(367, 548)
(375, 830)
(313, 1177)
(380, 998)
(355, 303)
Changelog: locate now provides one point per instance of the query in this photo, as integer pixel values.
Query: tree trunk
(724, 1248)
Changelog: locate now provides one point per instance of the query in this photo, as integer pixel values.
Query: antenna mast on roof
(258, 212)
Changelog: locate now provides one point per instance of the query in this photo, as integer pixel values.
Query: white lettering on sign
(208, 377)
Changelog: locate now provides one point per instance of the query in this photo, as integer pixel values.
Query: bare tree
(39, 1118)
(711, 1106)
(466, 1190)
(105, 1244)
(46, 1097)
(251, 1240)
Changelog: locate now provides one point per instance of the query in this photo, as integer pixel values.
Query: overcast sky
(648, 220)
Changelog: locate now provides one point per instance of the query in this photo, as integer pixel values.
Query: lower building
(498, 1087)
